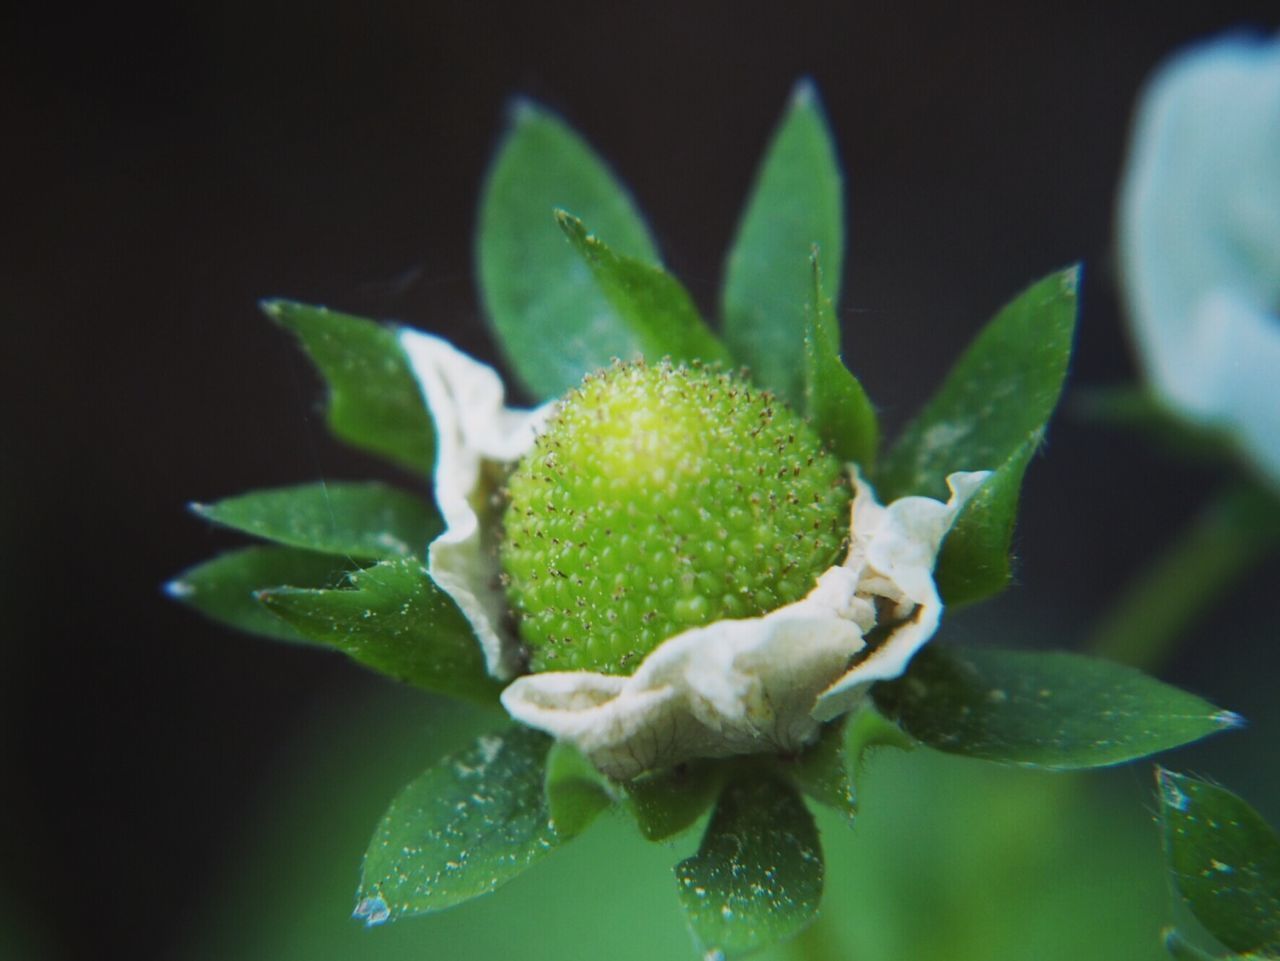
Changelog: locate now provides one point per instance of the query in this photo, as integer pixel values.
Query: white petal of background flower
(1200, 239)
(473, 426)
(762, 683)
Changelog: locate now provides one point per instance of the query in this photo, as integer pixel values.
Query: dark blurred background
(169, 165)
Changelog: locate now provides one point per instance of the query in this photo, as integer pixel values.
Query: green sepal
(1002, 390)
(1224, 860)
(375, 402)
(552, 320)
(797, 202)
(473, 821)
(656, 309)
(758, 874)
(226, 587)
(868, 730)
(1047, 710)
(367, 520)
(666, 802)
(975, 560)
(821, 771)
(393, 619)
(834, 400)
(576, 792)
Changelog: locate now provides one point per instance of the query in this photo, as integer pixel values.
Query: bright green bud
(660, 498)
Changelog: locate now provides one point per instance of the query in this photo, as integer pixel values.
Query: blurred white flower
(743, 686)
(1199, 232)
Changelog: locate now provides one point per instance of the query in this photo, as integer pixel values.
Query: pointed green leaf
(1001, 390)
(797, 202)
(358, 519)
(393, 619)
(822, 772)
(225, 587)
(656, 309)
(1049, 710)
(470, 823)
(576, 792)
(553, 321)
(757, 877)
(374, 401)
(1224, 860)
(974, 562)
(664, 803)
(834, 400)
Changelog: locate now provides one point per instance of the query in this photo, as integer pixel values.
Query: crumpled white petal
(1199, 229)
(473, 427)
(764, 683)
(894, 549)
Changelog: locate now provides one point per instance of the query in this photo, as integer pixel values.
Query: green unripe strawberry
(660, 498)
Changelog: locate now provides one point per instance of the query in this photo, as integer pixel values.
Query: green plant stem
(1232, 533)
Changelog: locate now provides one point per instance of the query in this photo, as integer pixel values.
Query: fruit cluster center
(660, 498)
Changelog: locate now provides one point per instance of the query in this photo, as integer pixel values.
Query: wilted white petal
(763, 683)
(473, 429)
(894, 551)
(732, 687)
(1200, 239)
